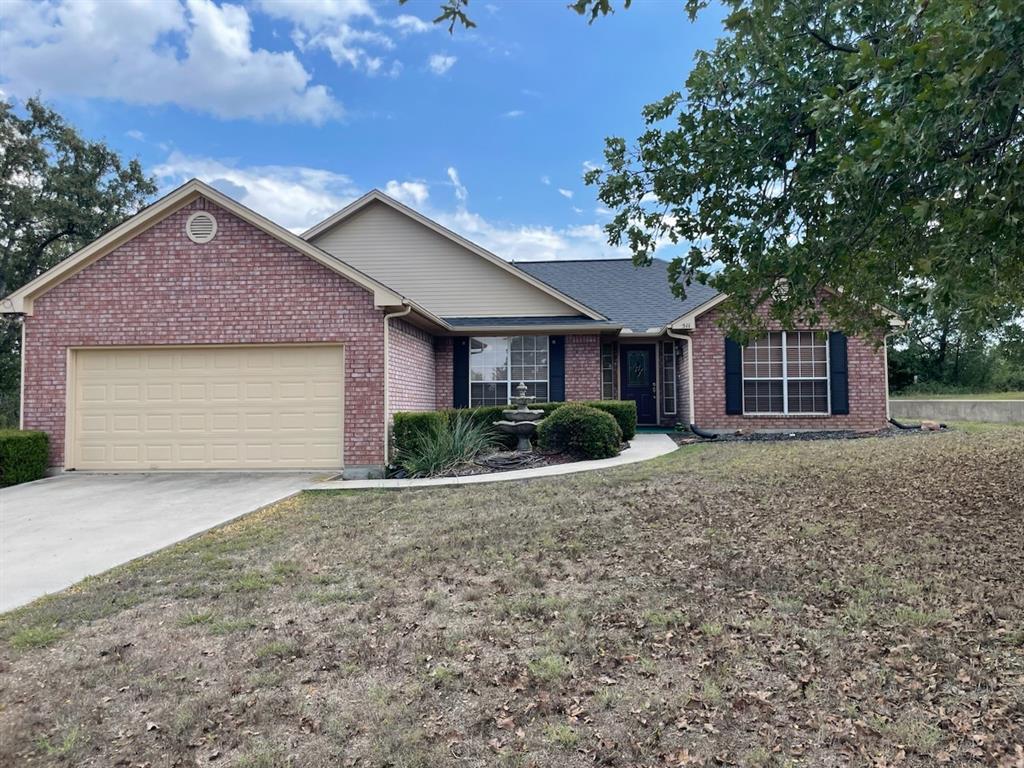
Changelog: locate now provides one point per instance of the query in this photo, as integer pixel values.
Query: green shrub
(23, 456)
(582, 431)
(412, 423)
(624, 413)
(444, 444)
(408, 425)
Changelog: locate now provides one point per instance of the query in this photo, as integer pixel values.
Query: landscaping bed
(472, 441)
(503, 461)
(688, 438)
(828, 603)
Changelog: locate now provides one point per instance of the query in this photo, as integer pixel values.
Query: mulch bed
(688, 438)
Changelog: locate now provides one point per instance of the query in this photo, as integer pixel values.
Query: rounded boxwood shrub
(582, 431)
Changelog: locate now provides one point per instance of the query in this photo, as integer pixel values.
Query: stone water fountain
(521, 421)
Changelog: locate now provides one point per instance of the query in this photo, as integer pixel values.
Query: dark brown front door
(636, 367)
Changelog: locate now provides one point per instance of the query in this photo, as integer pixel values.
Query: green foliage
(624, 413)
(24, 456)
(444, 444)
(944, 351)
(873, 147)
(408, 425)
(58, 192)
(29, 638)
(582, 431)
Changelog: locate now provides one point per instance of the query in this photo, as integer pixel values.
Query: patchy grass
(35, 637)
(828, 603)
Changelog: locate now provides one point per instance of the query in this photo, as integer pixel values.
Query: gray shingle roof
(637, 297)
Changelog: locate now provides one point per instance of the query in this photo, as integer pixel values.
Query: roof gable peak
(377, 196)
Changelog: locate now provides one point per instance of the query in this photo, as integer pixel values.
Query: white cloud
(545, 180)
(197, 55)
(577, 210)
(409, 25)
(513, 113)
(460, 190)
(296, 197)
(524, 243)
(339, 27)
(589, 165)
(566, 193)
(439, 63)
(408, 192)
(135, 135)
(530, 243)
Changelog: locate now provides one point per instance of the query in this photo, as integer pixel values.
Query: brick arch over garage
(244, 287)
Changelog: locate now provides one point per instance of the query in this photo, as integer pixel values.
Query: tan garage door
(255, 407)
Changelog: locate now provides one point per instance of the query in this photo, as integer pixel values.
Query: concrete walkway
(641, 448)
(57, 531)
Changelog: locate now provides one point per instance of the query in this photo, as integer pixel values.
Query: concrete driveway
(57, 531)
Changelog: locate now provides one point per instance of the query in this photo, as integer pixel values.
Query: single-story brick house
(200, 335)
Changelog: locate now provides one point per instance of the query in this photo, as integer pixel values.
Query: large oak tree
(872, 147)
(58, 192)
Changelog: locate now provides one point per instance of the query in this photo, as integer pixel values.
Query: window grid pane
(806, 355)
(668, 377)
(497, 364)
(607, 372)
(762, 396)
(786, 373)
(808, 396)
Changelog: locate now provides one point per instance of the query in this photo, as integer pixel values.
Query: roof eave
(462, 330)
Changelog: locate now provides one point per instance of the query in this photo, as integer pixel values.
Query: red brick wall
(243, 287)
(583, 367)
(866, 379)
(443, 361)
(683, 377)
(410, 368)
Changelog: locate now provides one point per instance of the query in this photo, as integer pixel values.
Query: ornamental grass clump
(444, 445)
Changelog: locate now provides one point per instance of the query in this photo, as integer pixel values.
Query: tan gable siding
(430, 269)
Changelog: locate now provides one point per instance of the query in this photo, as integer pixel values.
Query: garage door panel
(224, 391)
(217, 408)
(158, 422)
(157, 392)
(157, 453)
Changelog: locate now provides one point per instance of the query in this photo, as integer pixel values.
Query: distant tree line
(944, 353)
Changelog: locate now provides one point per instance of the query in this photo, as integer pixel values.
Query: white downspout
(689, 372)
(387, 367)
(21, 397)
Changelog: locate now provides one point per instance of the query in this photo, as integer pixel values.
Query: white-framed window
(608, 371)
(498, 363)
(786, 372)
(668, 377)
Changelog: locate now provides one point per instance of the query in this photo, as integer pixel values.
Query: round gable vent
(201, 227)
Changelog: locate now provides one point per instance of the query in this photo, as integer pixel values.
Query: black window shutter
(839, 379)
(556, 368)
(460, 372)
(733, 378)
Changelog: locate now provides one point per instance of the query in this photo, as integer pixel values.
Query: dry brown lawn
(802, 604)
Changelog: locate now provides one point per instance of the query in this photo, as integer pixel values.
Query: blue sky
(296, 107)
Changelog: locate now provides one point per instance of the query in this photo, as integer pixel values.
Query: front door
(636, 365)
